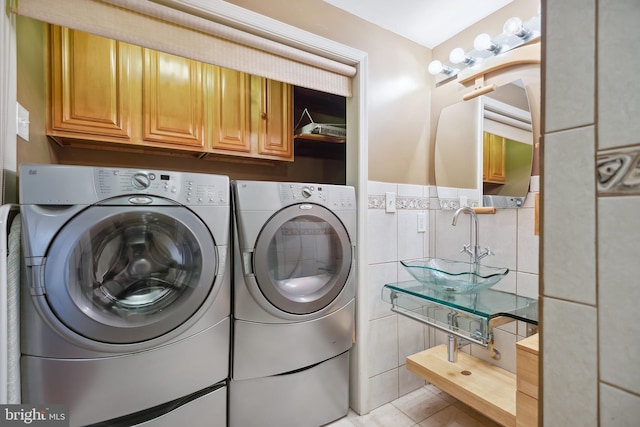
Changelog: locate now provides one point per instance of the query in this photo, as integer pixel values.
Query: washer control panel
(141, 185)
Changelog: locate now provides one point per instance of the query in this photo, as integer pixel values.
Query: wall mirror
(484, 149)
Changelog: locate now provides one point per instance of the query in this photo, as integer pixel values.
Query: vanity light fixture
(483, 42)
(516, 27)
(437, 67)
(457, 56)
(486, 48)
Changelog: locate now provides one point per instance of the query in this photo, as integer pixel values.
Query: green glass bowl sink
(455, 277)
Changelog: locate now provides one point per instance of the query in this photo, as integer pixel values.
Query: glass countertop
(488, 303)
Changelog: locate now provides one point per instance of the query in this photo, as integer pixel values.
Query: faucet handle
(486, 252)
(466, 249)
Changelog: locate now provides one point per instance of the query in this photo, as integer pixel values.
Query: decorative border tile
(408, 202)
(618, 172)
(376, 202)
(402, 202)
(453, 204)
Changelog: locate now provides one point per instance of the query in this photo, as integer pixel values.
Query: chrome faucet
(473, 249)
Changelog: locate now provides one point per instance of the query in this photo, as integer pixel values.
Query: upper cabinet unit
(173, 105)
(91, 92)
(272, 118)
(108, 94)
(228, 114)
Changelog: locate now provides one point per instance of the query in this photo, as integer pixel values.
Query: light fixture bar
(515, 33)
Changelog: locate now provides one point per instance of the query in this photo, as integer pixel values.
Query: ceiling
(427, 22)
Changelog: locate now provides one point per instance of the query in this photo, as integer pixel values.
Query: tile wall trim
(454, 204)
(618, 172)
(402, 202)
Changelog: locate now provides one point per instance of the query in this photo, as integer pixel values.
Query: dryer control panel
(331, 196)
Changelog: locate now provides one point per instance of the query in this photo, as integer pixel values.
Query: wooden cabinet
(527, 357)
(272, 118)
(493, 159)
(92, 88)
(102, 92)
(173, 107)
(228, 110)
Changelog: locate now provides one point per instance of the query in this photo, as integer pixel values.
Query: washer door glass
(128, 275)
(302, 258)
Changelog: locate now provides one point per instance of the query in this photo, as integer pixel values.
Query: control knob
(140, 181)
(307, 192)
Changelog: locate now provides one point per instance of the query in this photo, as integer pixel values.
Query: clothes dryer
(294, 303)
(125, 302)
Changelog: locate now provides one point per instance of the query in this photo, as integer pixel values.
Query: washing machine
(293, 303)
(126, 300)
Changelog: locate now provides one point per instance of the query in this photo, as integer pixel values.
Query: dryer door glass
(126, 276)
(302, 258)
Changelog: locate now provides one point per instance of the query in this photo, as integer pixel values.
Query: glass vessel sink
(454, 277)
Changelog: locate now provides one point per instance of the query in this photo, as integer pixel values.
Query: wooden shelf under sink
(487, 388)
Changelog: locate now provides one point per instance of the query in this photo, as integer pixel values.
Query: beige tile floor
(425, 407)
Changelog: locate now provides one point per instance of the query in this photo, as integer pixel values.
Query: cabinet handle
(263, 116)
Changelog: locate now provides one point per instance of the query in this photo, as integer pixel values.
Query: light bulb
(482, 42)
(436, 67)
(457, 56)
(516, 27)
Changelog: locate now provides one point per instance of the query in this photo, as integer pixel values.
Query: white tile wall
(394, 236)
(618, 292)
(570, 62)
(570, 215)
(619, 408)
(590, 351)
(383, 339)
(570, 365)
(618, 100)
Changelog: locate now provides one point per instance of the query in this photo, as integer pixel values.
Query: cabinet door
(494, 159)
(273, 122)
(229, 109)
(172, 101)
(89, 87)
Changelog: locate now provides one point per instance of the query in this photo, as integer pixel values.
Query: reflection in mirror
(484, 150)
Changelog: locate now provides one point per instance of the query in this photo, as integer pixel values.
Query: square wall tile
(618, 291)
(618, 408)
(383, 388)
(382, 236)
(528, 285)
(410, 338)
(379, 275)
(505, 344)
(383, 345)
(403, 274)
(450, 239)
(528, 242)
(569, 215)
(570, 64)
(411, 242)
(377, 188)
(411, 190)
(618, 101)
(570, 360)
(508, 283)
(498, 232)
(408, 381)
